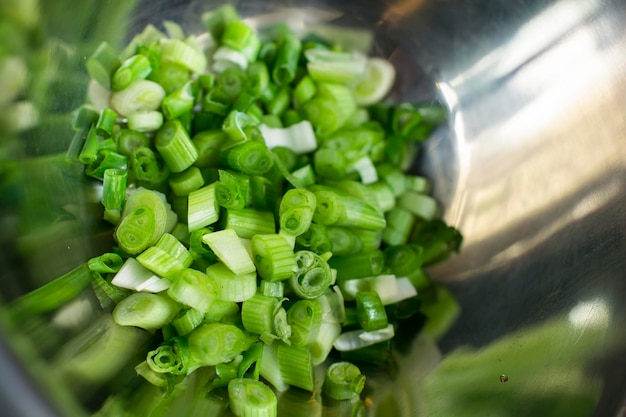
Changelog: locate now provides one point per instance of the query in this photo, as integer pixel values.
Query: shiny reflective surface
(531, 168)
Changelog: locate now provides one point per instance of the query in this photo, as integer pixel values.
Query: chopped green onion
(399, 225)
(404, 289)
(393, 177)
(215, 20)
(332, 302)
(370, 311)
(178, 102)
(175, 146)
(237, 35)
(257, 314)
(207, 345)
(267, 52)
(186, 320)
(175, 248)
(264, 193)
(209, 143)
(421, 205)
(344, 241)
(140, 95)
(129, 140)
(269, 368)
(437, 239)
(236, 125)
(323, 344)
(229, 249)
(274, 289)
(375, 82)
(384, 196)
(76, 145)
(102, 64)
(194, 289)
(251, 398)
(134, 68)
(291, 117)
(106, 160)
(250, 157)
(203, 209)
(304, 91)
(136, 230)
(359, 265)
(177, 51)
(144, 165)
(160, 262)
(222, 311)
(286, 63)
(233, 190)
(258, 78)
(296, 211)
(330, 164)
(343, 381)
(105, 122)
(280, 102)
(199, 249)
(89, 152)
(417, 184)
(181, 232)
(343, 210)
(305, 318)
(316, 239)
(106, 263)
(155, 378)
(173, 30)
(154, 201)
(231, 286)
(187, 181)
(225, 58)
(244, 102)
(145, 310)
(338, 67)
(312, 277)
(325, 115)
(273, 257)
(145, 121)
(296, 366)
(360, 117)
(114, 189)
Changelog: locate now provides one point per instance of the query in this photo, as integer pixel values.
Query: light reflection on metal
(402, 8)
(593, 313)
(533, 38)
(520, 167)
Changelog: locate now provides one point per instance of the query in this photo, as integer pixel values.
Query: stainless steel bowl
(531, 167)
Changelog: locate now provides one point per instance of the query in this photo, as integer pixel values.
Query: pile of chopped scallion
(263, 220)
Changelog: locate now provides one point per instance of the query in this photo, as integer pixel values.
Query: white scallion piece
(357, 339)
(366, 169)
(298, 137)
(333, 309)
(404, 289)
(225, 57)
(135, 276)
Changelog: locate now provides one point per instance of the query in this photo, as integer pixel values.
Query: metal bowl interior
(531, 167)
